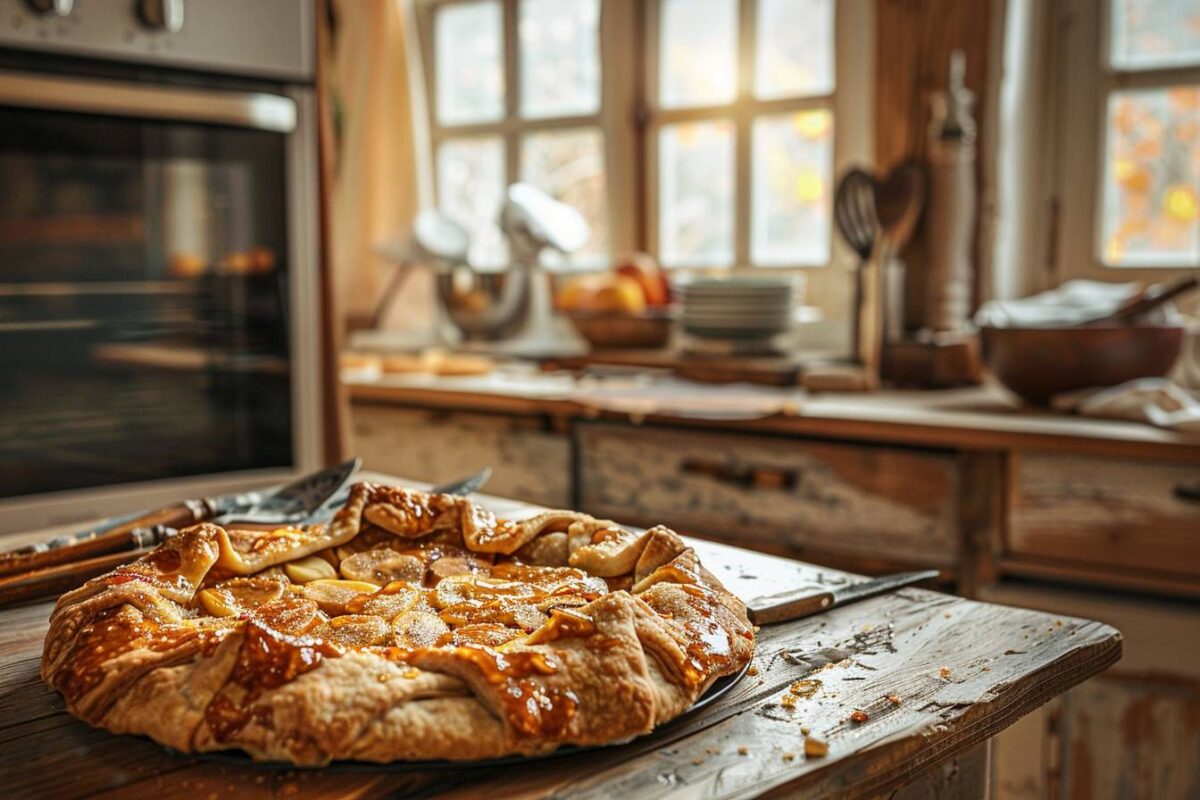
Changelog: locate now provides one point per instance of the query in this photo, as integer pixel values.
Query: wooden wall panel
(914, 40)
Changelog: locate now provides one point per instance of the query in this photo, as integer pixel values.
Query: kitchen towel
(1157, 401)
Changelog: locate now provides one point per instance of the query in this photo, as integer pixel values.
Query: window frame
(1084, 80)
(616, 23)
(853, 138)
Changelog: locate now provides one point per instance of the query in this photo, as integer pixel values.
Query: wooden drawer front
(1120, 514)
(804, 496)
(527, 462)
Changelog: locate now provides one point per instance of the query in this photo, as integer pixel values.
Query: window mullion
(743, 123)
(512, 92)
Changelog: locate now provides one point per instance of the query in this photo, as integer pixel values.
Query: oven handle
(268, 112)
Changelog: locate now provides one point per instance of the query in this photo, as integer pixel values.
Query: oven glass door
(143, 300)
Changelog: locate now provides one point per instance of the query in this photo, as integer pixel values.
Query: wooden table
(938, 676)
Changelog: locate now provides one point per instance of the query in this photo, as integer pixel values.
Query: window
(741, 131)
(516, 95)
(1132, 108)
(700, 130)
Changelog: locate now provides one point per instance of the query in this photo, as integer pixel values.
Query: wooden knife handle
(62, 578)
(782, 608)
(124, 536)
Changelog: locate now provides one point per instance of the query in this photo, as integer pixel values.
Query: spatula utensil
(63, 576)
(282, 505)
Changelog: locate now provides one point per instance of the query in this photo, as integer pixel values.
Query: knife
(789, 606)
(286, 504)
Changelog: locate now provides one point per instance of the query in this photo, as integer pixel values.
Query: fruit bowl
(613, 329)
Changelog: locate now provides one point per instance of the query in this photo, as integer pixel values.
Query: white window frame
(616, 26)
(850, 102)
(1083, 82)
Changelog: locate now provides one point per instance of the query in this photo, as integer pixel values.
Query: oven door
(158, 320)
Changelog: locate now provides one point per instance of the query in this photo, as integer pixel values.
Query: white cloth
(1070, 304)
(1157, 401)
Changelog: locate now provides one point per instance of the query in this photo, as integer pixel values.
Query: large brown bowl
(1038, 363)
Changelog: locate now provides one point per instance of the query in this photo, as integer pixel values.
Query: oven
(159, 314)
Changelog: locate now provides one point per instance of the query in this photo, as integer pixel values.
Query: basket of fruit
(629, 306)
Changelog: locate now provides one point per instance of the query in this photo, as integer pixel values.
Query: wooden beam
(914, 40)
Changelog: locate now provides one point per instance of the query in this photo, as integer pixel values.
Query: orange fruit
(620, 295)
(644, 269)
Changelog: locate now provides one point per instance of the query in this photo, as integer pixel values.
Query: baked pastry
(411, 626)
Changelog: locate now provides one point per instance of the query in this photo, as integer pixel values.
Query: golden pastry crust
(517, 637)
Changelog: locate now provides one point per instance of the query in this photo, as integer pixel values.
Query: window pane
(698, 52)
(695, 194)
(1150, 211)
(1155, 33)
(471, 181)
(470, 63)
(794, 59)
(790, 195)
(560, 62)
(569, 165)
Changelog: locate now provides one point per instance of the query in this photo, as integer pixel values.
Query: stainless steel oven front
(158, 252)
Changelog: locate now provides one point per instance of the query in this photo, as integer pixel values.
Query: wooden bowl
(615, 330)
(1038, 363)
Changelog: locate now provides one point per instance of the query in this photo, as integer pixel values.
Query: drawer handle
(743, 476)
(1188, 491)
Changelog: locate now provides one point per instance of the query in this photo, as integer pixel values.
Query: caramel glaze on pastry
(412, 626)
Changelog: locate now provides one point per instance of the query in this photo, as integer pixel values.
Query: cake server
(291, 503)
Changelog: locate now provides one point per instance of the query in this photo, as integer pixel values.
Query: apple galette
(411, 626)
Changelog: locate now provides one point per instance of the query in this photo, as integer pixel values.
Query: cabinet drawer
(864, 501)
(1124, 515)
(528, 463)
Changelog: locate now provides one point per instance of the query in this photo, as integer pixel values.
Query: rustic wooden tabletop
(935, 676)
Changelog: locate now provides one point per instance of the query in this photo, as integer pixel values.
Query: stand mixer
(514, 305)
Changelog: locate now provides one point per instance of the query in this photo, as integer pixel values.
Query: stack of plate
(737, 309)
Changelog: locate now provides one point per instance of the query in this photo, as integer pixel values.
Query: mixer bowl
(484, 305)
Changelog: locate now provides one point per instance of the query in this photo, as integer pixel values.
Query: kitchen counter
(937, 676)
(980, 418)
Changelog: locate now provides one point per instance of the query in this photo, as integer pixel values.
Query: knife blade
(287, 504)
(789, 606)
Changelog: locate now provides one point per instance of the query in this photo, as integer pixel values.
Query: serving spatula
(62, 577)
(290, 503)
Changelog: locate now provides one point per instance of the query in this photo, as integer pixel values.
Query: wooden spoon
(1144, 302)
(898, 202)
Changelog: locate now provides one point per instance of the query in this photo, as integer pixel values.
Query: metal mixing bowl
(484, 305)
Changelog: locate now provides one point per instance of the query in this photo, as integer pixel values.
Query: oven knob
(161, 15)
(57, 8)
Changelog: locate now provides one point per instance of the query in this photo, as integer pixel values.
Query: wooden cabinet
(799, 496)
(1123, 516)
(1131, 733)
(528, 462)
(1018, 507)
